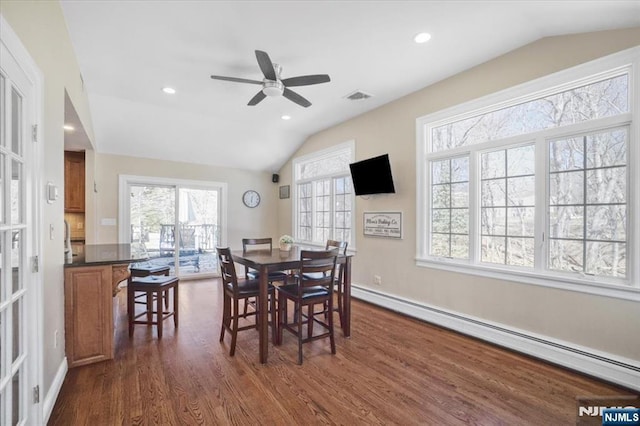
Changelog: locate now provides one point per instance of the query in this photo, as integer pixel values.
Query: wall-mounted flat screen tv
(372, 176)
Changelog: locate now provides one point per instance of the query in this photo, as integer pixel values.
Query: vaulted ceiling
(129, 50)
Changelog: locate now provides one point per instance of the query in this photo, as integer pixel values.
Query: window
(532, 184)
(323, 196)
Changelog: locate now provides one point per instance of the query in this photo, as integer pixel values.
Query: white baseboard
(609, 367)
(54, 390)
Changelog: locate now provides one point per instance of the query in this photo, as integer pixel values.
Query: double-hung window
(323, 196)
(536, 183)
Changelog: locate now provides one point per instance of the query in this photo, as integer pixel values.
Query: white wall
(41, 28)
(601, 323)
(242, 222)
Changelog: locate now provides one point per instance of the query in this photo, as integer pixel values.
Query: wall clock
(251, 198)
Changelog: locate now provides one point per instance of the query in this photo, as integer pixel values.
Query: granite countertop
(106, 254)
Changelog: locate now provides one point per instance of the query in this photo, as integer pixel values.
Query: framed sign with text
(383, 224)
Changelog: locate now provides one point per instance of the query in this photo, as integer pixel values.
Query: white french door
(19, 280)
(179, 223)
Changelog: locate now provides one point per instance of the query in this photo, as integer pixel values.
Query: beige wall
(601, 323)
(242, 222)
(41, 27)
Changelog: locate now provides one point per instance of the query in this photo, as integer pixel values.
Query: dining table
(266, 261)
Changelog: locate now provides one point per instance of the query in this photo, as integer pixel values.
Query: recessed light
(286, 117)
(68, 127)
(169, 90)
(422, 38)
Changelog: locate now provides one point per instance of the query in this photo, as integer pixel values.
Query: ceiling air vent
(358, 95)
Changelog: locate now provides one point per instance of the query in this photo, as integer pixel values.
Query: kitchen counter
(106, 254)
(90, 282)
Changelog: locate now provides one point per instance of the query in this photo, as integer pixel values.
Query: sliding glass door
(178, 223)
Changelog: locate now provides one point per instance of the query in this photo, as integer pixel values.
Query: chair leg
(226, 315)
(175, 306)
(130, 308)
(331, 338)
(339, 292)
(282, 315)
(159, 312)
(310, 311)
(234, 329)
(149, 307)
(272, 314)
(299, 320)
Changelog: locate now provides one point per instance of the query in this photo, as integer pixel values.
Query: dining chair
(338, 285)
(314, 286)
(235, 290)
(251, 244)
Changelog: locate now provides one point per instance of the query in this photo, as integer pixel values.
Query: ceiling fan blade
(257, 98)
(235, 79)
(306, 80)
(266, 65)
(294, 97)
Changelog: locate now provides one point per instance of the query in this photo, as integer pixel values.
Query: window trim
(315, 156)
(606, 67)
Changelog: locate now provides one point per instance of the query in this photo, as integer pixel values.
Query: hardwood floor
(393, 370)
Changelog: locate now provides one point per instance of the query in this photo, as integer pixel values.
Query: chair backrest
(317, 268)
(342, 249)
(257, 244)
(251, 244)
(227, 268)
(340, 245)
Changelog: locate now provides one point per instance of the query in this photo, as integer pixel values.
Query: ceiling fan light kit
(273, 88)
(272, 85)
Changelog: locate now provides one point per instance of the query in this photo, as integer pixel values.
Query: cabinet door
(74, 181)
(88, 314)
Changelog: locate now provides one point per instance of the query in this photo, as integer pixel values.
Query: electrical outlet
(80, 225)
(377, 280)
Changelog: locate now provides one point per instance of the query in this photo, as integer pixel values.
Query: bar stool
(145, 271)
(156, 288)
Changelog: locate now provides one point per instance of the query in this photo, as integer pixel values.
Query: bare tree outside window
(597, 100)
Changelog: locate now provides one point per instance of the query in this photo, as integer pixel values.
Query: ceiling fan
(272, 85)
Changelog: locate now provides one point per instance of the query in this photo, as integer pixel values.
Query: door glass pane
(16, 122)
(3, 368)
(199, 230)
(17, 327)
(16, 260)
(2, 110)
(16, 384)
(16, 193)
(3, 283)
(2, 168)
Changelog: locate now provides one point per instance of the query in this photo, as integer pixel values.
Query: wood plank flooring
(393, 370)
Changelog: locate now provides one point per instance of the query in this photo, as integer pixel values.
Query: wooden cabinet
(88, 304)
(74, 181)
